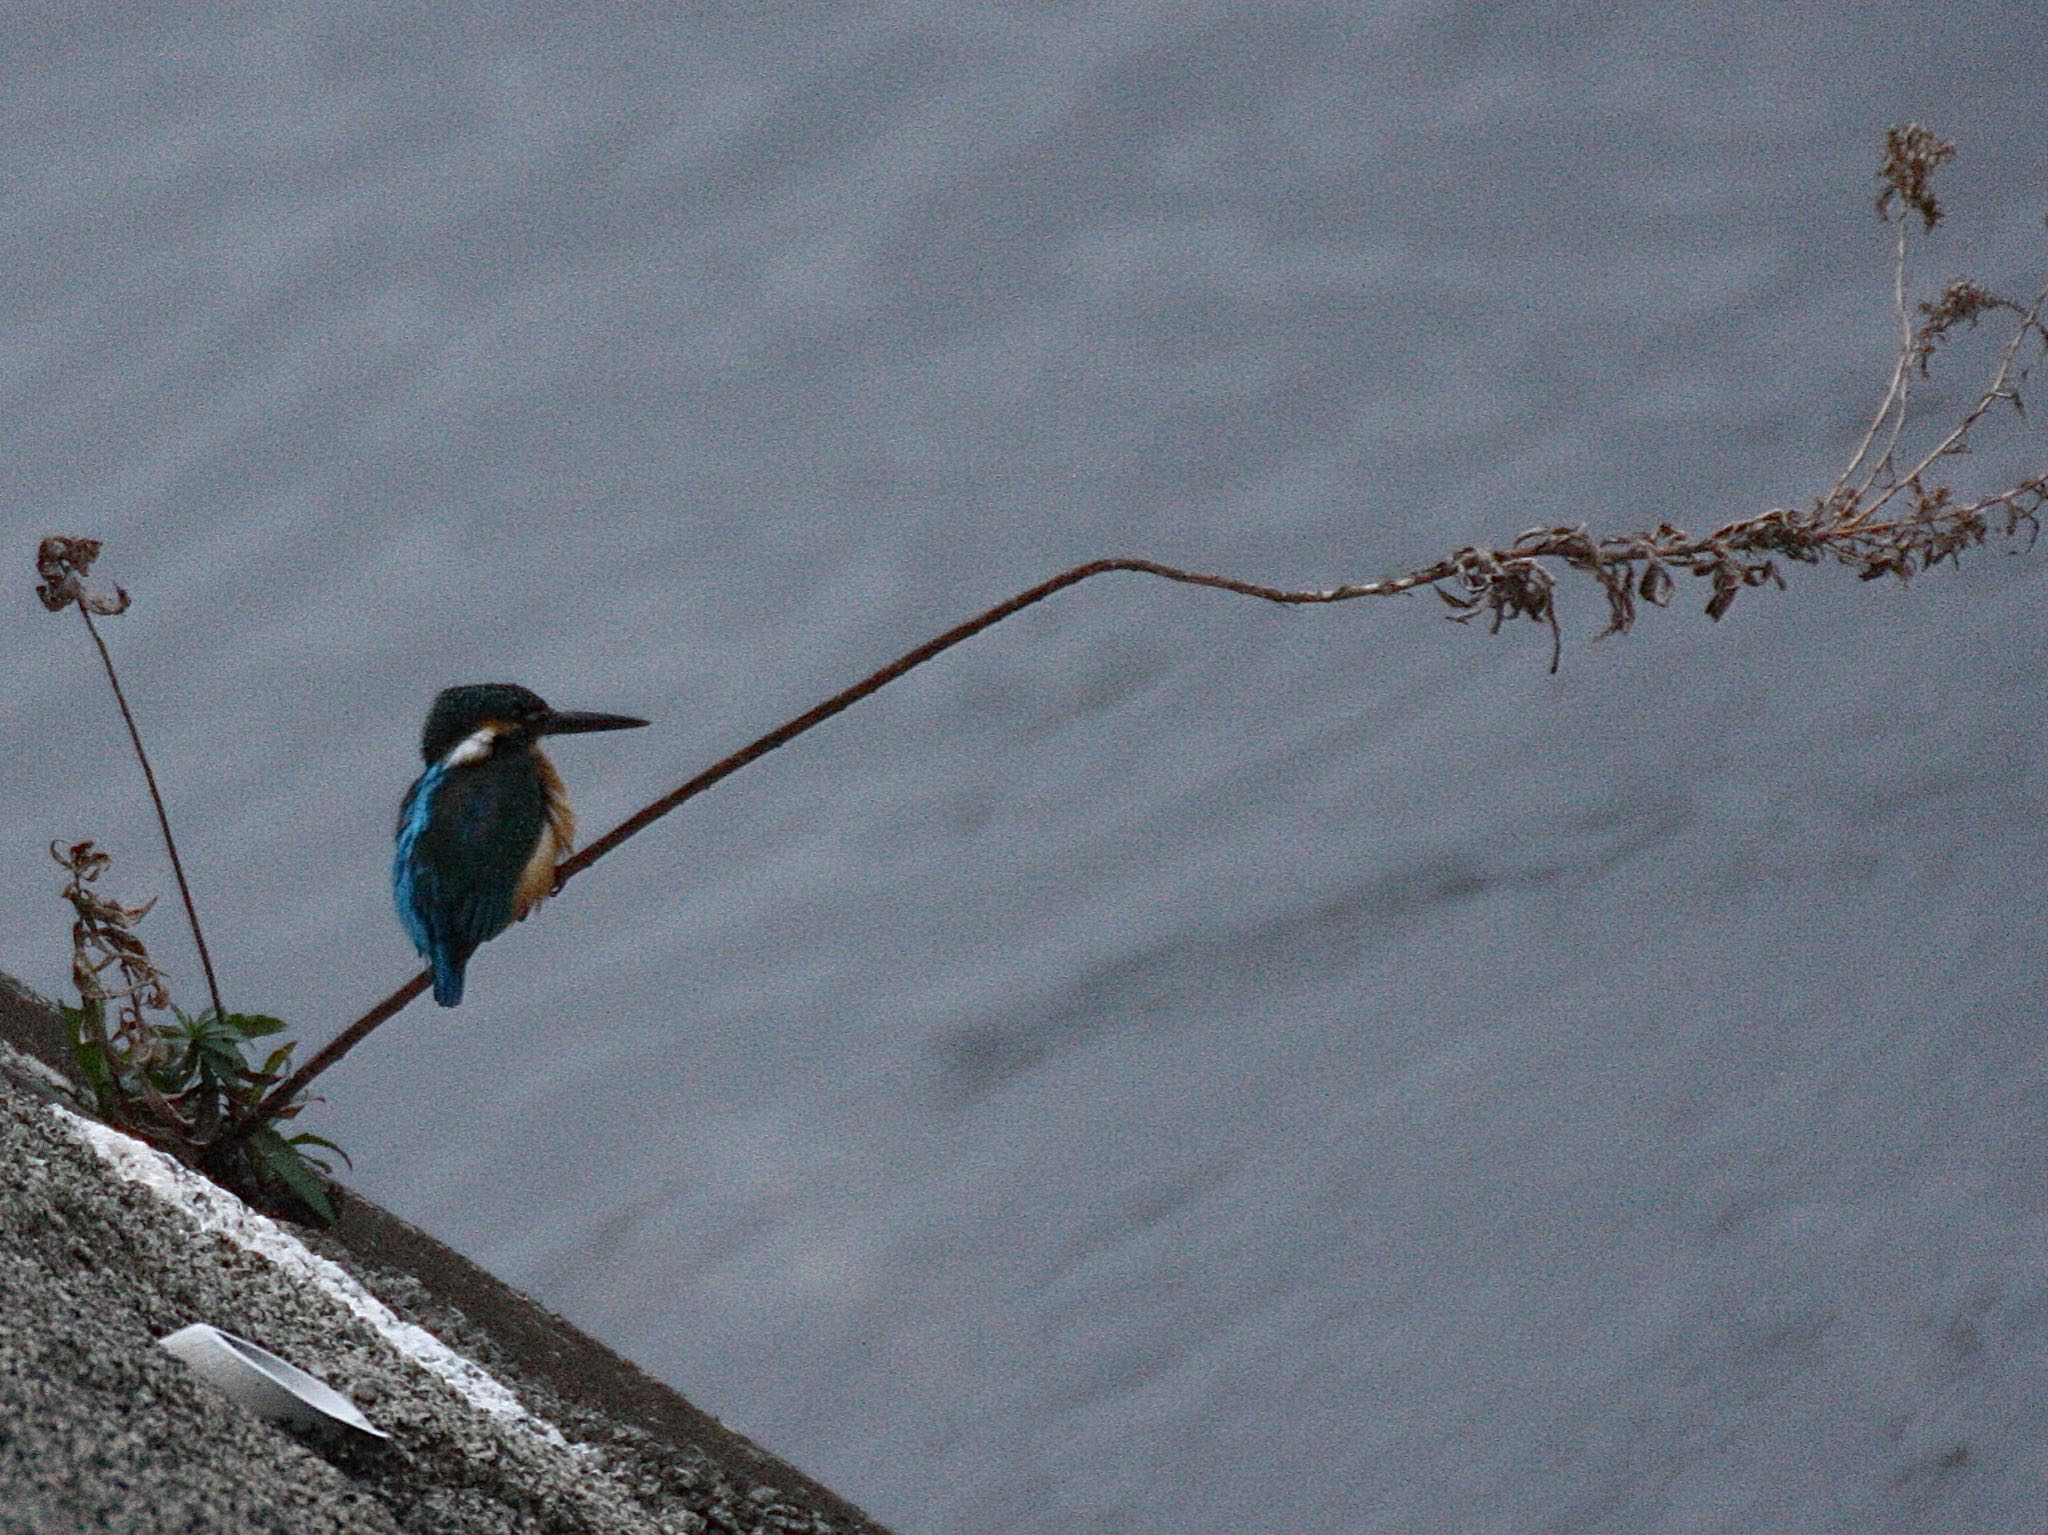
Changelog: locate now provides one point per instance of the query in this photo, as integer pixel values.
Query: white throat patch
(473, 747)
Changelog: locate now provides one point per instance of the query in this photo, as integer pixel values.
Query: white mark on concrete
(28, 1065)
(213, 1208)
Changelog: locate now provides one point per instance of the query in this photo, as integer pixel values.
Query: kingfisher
(481, 830)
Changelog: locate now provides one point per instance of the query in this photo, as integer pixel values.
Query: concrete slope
(503, 1417)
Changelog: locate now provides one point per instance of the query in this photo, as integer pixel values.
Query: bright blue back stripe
(411, 901)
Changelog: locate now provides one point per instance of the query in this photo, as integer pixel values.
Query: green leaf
(277, 1156)
(91, 1056)
(308, 1138)
(254, 1025)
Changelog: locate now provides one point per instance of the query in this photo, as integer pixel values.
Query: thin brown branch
(282, 1098)
(1500, 585)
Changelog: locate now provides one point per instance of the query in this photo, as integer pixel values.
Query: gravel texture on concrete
(101, 1430)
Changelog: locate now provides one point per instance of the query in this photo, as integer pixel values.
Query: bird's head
(474, 721)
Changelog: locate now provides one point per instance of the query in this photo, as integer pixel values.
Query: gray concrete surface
(101, 1431)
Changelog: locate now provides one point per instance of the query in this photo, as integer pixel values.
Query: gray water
(1173, 1063)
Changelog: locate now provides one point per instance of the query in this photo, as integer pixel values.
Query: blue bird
(481, 830)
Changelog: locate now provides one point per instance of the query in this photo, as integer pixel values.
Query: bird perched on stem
(481, 830)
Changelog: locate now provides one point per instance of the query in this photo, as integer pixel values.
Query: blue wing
(463, 838)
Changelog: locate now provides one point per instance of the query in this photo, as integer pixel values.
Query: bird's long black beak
(569, 722)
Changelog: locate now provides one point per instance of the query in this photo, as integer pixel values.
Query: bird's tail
(447, 977)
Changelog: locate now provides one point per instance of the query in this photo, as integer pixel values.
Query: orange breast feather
(557, 841)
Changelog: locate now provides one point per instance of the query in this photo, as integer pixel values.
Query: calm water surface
(1172, 1064)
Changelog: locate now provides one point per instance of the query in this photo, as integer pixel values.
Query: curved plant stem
(1500, 585)
(282, 1096)
(163, 816)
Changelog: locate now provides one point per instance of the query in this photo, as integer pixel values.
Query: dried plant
(63, 564)
(103, 939)
(1882, 515)
(182, 1081)
(176, 1079)
(1911, 156)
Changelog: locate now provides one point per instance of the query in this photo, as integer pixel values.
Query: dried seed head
(1910, 155)
(64, 563)
(1962, 302)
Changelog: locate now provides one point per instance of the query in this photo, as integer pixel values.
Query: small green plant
(177, 1079)
(184, 1082)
